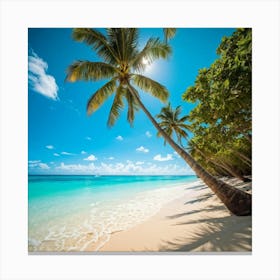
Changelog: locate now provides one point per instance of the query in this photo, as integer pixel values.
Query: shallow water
(79, 213)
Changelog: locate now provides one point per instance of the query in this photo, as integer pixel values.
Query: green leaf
(89, 71)
(151, 86)
(100, 96)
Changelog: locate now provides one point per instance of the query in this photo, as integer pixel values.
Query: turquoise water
(79, 213)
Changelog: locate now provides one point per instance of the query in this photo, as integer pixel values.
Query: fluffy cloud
(38, 79)
(142, 149)
(91, 158)
(139, 162)
(88, 138)
(160, 158)
(67, 154)
(111, 158)
(76, 168)
(43, 166)
(119, 138)
(132, 168)
(83, 152)
(37, 164)
(50, 147)
(56, 154)
(33, 161)
(148, 134)
(176, 154)
(120, 168)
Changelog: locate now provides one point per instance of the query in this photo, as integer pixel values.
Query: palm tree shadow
(200, 199)
(207, 210)
(225, 234)
(199, 187)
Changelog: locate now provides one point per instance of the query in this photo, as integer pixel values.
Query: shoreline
(195, 222)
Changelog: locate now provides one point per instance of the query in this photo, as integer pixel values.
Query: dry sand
(197, 221)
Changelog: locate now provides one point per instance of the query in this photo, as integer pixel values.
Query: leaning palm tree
(171, 123)
(122, 65)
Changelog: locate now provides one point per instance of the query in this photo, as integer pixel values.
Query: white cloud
(77, 168)
(176, 154)
(131, 168)
(43, 166)
(83, 152)
(56, 154)
(139, 162)
(142, 149)
(148, 134)
(34, 161)
(50, 147)
(111, 158)
(37, 164)
(39, 80)
(119, 138)
(67, 154)
(160, 158)
(88, 138)
(128, 168)
(91, 158)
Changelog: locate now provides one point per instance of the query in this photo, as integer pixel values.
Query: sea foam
(90, 228)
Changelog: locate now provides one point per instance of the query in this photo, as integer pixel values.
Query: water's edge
(91, 215)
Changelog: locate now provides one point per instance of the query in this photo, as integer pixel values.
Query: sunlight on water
(79, 213)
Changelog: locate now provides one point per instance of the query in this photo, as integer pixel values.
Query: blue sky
(63, 139)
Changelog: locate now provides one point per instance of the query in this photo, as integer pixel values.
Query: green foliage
(149, 85)
(172, 124)
(222, 119)
(122, 63)
(169, 33)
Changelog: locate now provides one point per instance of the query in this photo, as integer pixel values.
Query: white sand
(197, 221)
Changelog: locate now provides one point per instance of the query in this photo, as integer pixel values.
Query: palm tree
(171, 122)
(122, 64)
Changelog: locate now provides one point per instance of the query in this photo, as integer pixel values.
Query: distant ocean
(79, 213)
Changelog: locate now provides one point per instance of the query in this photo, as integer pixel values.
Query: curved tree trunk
(235, 173)
(229, 169)
(237, 201)
(244, 157)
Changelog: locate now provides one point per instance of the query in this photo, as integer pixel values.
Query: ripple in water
(90, 229)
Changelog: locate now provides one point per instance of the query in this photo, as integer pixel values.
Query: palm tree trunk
(233, 172)
(244, 157)
(248, 137)
(237, 201)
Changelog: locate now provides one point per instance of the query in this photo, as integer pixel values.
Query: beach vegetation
(122, 65)
(221, 121)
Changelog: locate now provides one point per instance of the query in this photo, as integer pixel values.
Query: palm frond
(101, 95)
(98, 42)
(124, 42)
(184, 118)
(89, 71)
(170, 122)
(117, 106)
(177, 112)
(151, 86)
(154, 49)
(132, 107)
(169, 33)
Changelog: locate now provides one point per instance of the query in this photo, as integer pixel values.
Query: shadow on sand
(209, 234)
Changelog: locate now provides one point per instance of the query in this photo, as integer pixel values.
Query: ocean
(79, 213)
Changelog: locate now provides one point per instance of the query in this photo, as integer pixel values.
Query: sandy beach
(197, 221)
